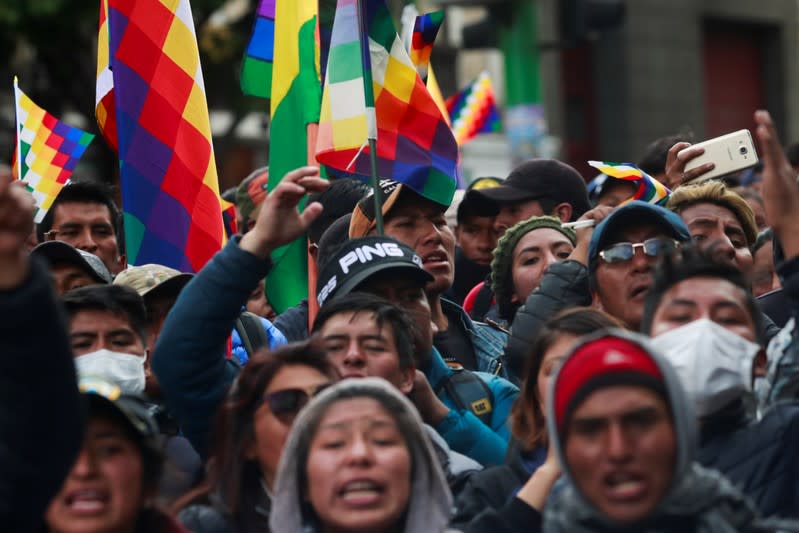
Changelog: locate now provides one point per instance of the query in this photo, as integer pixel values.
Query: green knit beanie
(501, 265)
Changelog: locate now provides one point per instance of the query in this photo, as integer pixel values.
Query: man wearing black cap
(421, 224)
(72, 268)
(611, 268)
(469, 409)
(476, 239)
(538, 187)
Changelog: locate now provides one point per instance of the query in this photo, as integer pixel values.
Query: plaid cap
(145, 279)
(252, 193)
(56, 252)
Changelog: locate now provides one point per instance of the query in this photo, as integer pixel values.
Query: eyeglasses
(288, 402)
(624, 251)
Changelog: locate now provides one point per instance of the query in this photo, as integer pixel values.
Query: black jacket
(293, 322)
(759, 457)
(563, 285)
(41, 425)
(211, 516)
(492, 488)
(514, 517)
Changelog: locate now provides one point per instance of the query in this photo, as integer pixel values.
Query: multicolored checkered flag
(47, 151)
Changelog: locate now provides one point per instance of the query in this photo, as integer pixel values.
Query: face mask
(713, 363)
(124, 369)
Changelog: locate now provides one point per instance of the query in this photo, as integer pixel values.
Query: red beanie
(599, 363)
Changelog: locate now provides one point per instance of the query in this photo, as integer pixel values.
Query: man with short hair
(108, 330)
(367, 336)
(71, 268)
(468, 409)
(611, 268)
(702, 315)
(537, 187)
(719, 217)
(420, 223)
(476, 239)
(625, 437)
(85, 216)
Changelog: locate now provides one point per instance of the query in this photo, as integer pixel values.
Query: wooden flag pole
(371, 117)
(312, 132)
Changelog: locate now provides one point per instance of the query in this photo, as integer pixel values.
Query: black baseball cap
(541, 178)
(56, 252)
(474, 205)
(359, 259)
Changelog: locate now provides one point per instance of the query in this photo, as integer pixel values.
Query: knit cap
(604, 360)
(501, 265)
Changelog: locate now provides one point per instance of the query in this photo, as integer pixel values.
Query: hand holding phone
(729, 153)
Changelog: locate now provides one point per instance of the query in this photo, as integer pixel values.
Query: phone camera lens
(742, 150)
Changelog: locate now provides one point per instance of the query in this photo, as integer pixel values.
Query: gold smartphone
(730, 153)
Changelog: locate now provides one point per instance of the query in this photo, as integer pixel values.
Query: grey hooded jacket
(699, 500)
(430, 504)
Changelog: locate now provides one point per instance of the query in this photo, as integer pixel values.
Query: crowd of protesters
(512, 372)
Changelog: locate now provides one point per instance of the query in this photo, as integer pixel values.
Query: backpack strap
(251, 332)
(469, 393)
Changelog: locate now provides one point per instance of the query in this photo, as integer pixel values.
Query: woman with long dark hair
(250, 433)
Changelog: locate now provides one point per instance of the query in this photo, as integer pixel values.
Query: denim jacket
(488, 342)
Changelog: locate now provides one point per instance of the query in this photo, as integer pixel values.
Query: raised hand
(675, 165)
(279, 221)
(780, 190)
(16, 225)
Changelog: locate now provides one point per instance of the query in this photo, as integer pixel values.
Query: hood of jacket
(683, 419)
(430, 501)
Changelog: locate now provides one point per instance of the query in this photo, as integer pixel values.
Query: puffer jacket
(563, 285)
(754, 454)
(274, 336)
(211, 516)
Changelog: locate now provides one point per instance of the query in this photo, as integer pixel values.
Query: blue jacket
(488, 342)
(273, 334)
(461, 429)
(189, 359)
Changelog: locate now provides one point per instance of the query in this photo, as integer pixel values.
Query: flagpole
(371, 116)
(16, 120)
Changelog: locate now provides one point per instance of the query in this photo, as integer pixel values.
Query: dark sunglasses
(624, 251)
(290, 401)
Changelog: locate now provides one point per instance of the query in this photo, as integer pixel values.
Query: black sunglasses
(290, 401)
(624, 251)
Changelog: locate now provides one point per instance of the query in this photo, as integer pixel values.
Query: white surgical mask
(124, 369)
(713, 363)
